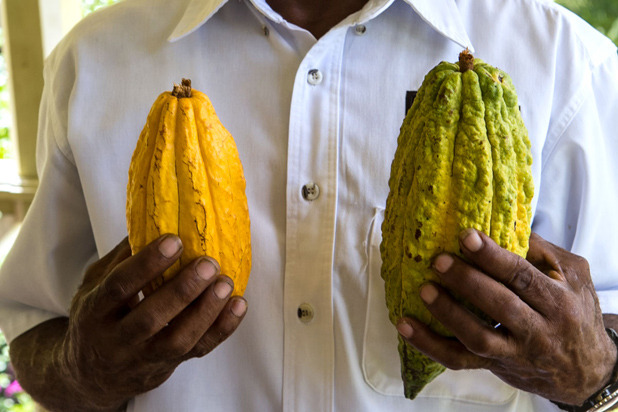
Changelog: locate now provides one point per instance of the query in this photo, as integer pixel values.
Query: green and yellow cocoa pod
(463, 160)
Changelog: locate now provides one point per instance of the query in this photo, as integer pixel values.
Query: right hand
(117, 347)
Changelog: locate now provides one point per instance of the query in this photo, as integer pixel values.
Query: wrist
(84, 388)
(613, 359)
(606, 398)
(40, 361)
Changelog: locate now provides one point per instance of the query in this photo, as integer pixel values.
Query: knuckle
(577, 273)
(149, 260)
(145, 325)
(482, 345)
(185, 289)
(518, 312)
(178, 345)
(455, 363)
(213, 338)
(115, 290)
(206, 345)
(228, 326)
(521, 276)
(581, 263)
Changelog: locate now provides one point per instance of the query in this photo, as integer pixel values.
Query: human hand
(551, 340)
(117, 347)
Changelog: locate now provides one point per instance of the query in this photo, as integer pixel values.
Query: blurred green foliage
(5, 116)
(602, 14)
(12, 397)
(88, 6)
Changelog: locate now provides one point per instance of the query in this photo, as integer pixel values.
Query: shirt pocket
(380, 358)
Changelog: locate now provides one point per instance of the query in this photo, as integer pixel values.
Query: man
(314, 94)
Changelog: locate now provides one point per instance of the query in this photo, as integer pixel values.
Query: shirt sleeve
(578, 192)
(55, 243)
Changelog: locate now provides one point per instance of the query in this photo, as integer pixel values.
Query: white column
(32, 28)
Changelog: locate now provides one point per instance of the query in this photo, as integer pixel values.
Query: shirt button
(314, 77)
(360, 29)
(305, 312)
(310, 191)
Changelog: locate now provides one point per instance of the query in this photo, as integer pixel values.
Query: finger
(515, 272)
(187, 329)
(485, 293)
(541, 254)
(447, 351)
(476, 335)
(561, 265)
(158, 309)
(228, 321)
(129, 277)
(121, 252)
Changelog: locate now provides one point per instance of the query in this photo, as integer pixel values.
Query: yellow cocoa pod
(463, 160)
(186, 178)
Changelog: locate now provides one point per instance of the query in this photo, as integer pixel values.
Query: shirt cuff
(16, 318)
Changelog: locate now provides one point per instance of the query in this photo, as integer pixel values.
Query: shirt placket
(310, 231)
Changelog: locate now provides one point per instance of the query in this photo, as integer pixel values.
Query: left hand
(551, 340)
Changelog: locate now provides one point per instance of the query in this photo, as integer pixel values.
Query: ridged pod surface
(463, 160)
(186, 178)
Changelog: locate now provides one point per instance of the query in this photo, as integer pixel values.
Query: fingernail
(206, 269)
(405, 329)
(222, 289)
(471, 240)
(429, 293)
(170, 245)
(443, 263)
(239, 307)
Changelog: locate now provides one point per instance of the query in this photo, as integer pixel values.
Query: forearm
(39, 362)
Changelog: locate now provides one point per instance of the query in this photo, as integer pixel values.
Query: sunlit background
(602, 14)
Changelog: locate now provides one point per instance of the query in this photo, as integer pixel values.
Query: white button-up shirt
(316, 124)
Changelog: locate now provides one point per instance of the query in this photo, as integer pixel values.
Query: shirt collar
(442, 15)
(197, 13)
